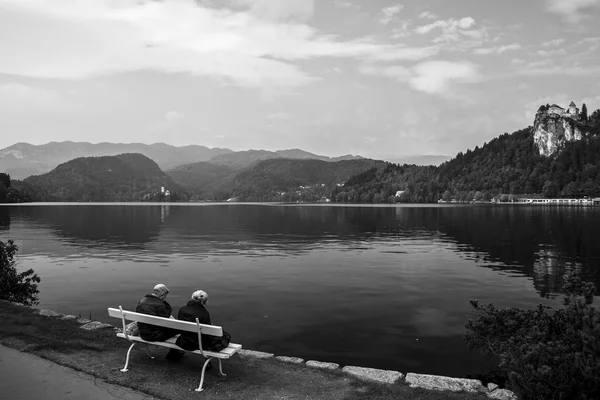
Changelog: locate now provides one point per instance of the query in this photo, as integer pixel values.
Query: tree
(15, 286)
(5, 179)
(583, 115)
(544, 355)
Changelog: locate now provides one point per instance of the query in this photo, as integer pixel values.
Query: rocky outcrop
(551, 131)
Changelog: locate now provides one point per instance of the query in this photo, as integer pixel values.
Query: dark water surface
(376, 286)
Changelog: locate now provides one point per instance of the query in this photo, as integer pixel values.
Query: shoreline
(386, 378)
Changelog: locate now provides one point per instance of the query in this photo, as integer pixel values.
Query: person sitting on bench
(196, 308)
(155, 304)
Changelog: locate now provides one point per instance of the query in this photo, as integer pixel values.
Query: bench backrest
(166, 322)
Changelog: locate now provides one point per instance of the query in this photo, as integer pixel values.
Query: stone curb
(95, 325)
(293, 360)
(431, 382)
(435, 382)
(322, 365)
(502, 394)
(49, 313)
(254, 354)
(373, 374)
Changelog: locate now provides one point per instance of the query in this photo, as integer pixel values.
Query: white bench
(170, 343)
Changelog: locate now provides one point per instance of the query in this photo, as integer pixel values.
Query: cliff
(551, 131)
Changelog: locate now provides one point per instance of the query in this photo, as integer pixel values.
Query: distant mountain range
(23, 159)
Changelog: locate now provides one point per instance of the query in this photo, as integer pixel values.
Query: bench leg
(127, 360)
(148, 352)
(221, 368)
(202, 376)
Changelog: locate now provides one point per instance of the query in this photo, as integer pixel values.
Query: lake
(375, 286)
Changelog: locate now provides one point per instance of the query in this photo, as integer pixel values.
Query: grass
(102, 354)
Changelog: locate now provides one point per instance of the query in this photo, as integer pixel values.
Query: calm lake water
(375, 286)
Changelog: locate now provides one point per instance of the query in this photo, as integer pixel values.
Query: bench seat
(170, 343)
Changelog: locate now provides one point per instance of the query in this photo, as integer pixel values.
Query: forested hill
(509, 164)
(125, 177)
(290, 179)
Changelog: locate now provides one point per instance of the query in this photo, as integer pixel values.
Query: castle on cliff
(572, 111)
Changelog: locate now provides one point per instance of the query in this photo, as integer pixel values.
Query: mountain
(125, 177)
(23, 159)
(242, 159)
(511, 164)
(201, 177)
(283, 179)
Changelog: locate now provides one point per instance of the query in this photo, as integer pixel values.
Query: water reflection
(385, 287)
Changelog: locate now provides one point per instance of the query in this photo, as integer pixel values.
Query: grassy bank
(102, 354)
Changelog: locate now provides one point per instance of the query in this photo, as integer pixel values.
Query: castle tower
(573, 110)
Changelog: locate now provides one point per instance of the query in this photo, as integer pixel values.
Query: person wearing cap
(155, 304)
(195, 308)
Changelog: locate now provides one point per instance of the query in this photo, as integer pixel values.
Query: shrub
(544, 355)
(15, 286)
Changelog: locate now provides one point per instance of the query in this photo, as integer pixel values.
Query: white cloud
(436, 76)
(433, 77)
(551, 53)
(571, 11)
(389, 13)
(544, 68)
(280, 116)
(254, 47)
(280, 10)
(172, 116)
(450, 24)
(554, 42)
(346, 4)
(498, 49)
(459, 34)
(24, 97)
(427, 15)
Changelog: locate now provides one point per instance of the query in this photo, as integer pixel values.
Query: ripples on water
(379, 286)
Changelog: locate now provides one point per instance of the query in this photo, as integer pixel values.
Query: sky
(382, 79)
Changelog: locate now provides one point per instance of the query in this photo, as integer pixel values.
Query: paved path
(27, 377)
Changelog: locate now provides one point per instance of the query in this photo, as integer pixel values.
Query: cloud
(389, 13)
(436, 76)
(25, 97)
(433, 77)
(280, 10)
(346, 4)
(498, 49)
(254, 46)
(427, 15)
(554, 42)
(451, 24)
(551, 53)
(172, 116)
(571, 11)
(543, 68)
(280, 116)
(457, 33)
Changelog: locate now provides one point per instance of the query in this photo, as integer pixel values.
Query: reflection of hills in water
(537, 242)
(542, 243)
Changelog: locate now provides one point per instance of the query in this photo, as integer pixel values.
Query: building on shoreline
(565, 202)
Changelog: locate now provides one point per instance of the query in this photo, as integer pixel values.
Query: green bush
(15, 286)
(545, 355)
